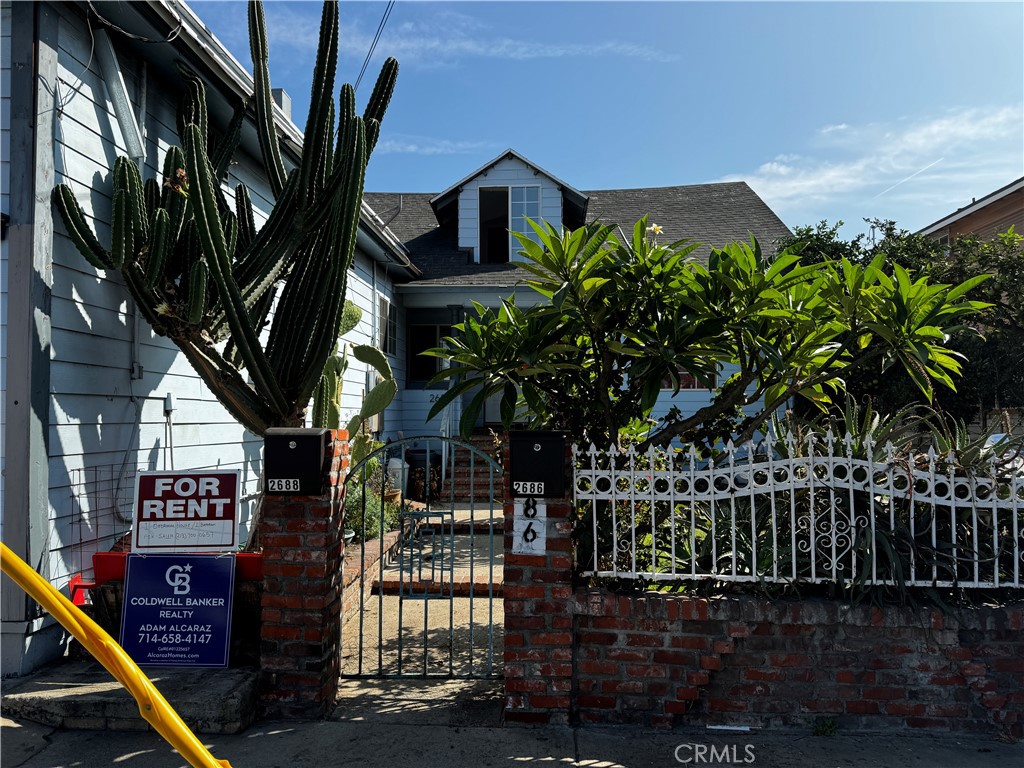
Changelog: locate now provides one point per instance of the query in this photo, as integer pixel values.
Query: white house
(460, 240)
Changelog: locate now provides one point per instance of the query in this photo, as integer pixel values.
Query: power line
(373, 45)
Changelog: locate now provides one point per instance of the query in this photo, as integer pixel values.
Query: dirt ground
(438, 636)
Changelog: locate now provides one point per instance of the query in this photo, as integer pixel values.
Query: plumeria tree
(624, 318)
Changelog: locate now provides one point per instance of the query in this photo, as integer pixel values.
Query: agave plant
(200, 271)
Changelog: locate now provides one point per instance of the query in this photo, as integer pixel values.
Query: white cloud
(419, 145)
(947, 157)
(443, 38)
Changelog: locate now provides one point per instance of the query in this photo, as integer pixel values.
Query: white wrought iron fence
(822, 510)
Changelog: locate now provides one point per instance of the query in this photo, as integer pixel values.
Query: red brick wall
(664, 660)
(589, 656)
(303, 547)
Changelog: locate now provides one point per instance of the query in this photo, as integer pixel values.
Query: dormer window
(503, 209)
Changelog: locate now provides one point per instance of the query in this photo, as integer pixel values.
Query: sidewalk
(448, 725)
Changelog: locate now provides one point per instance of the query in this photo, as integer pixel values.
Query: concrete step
(82, 694)
(462, 587)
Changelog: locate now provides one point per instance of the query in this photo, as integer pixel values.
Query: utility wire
(373, 45)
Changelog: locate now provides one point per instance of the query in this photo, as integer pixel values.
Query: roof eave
(974, 207)
(441, 198)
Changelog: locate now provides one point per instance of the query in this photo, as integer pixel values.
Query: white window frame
(387, 326)
(513, 244)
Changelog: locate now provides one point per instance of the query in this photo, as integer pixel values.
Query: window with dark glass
(421, 338)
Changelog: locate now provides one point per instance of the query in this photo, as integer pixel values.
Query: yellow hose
(152, 705)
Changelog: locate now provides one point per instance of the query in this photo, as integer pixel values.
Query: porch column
(303, 547)
(538, 604)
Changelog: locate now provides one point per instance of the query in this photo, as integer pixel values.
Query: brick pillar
(303, 547)
(538, 599)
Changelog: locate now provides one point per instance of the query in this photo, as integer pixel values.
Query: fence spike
(890, 451)
(790, 441)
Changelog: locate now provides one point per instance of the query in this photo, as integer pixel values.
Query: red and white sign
(186, 511)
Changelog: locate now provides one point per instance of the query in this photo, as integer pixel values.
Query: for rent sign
(186, 511)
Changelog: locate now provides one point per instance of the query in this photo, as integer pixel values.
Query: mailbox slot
(537, 464)
(293, 460)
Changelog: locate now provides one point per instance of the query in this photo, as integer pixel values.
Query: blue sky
(828, 110)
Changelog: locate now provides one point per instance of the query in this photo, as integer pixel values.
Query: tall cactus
(201, 273)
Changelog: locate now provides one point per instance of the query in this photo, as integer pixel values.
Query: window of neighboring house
(421, 367)
(688, 381)
(503, 209)
(387, 326)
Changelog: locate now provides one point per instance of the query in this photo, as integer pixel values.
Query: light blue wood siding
(5, 207)
(104, 424)
(508, 172)
(368, 282)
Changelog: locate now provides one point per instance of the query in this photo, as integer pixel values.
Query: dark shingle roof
(714, 214)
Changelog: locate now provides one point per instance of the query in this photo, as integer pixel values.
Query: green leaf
(364, 353)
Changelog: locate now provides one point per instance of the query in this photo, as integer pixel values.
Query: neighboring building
(994, 213)
(84, 381)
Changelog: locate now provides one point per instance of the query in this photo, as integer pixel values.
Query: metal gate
(422, 570)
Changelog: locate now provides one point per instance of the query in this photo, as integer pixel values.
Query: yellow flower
(655, 229)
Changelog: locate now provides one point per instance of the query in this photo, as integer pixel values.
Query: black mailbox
(293, 460)
(537, 464)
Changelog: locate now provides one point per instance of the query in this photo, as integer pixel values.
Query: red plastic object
(110, 566)
(77, 589)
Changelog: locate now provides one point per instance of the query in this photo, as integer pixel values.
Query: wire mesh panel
(423, 562)
(821, 510)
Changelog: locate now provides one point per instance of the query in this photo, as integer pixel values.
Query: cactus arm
(266, 130)
(319, 129)
(379, 100)
(175, 202)
(78, 228)
(350, 317)
(192, 107)
(289, 336)
(274, 245)
(345, 231)
(207, 221)
(221, 160)
(122, 242)
(128, 184)
(246, 222)
(327, 395)
(159, 247)
(197, 291)
(151, 192)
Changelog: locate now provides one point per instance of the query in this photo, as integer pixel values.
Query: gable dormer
(499, 198)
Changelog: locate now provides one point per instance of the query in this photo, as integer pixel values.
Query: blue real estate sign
(177, 609)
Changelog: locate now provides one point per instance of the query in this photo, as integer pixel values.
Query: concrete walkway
(324, 744)
(423, 724)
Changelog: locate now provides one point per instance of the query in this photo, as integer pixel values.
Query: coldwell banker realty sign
(186, 511)
(177, 609)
